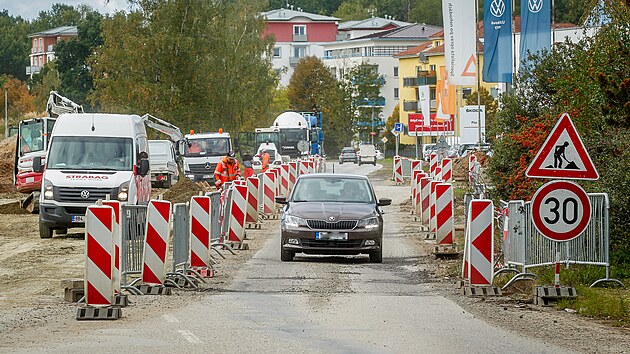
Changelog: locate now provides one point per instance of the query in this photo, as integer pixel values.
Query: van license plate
(332, 236)
(78, 218)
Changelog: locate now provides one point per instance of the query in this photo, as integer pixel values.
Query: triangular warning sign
(563, 155)
(471, 67)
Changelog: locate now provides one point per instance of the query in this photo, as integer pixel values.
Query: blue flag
(497, 43)
(535, 26)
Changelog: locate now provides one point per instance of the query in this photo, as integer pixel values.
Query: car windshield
(333, 189)
(293, 135)
(207, 147)
(348, 151)
(31, 136)
(90, 153)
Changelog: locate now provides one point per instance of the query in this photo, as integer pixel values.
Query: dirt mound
(7, 158)
(460, 165)
(183, 190)
(12, 208)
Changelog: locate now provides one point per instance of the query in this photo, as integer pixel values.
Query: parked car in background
(348, 154)
(163, 163)
(465, 149)
(427, 149)
(379, 155)
(332, 214)
(367, 154)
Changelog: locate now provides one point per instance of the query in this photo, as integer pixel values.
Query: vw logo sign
(497, 8)
(85, 194)
(331, 218)
(534, 5)
(207, 166)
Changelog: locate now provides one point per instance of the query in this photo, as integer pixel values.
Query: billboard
(468, 126)
(437, 127)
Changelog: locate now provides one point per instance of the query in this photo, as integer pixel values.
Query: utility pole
(372, 134)
(6, 113)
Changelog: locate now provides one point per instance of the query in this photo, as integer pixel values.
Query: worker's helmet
(231, 154)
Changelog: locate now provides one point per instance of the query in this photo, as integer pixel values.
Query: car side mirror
(281, 200)
(37, 164)
(384, 202)
(144, 167)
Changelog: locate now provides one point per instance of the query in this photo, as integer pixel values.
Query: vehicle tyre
(360, 164)
(341, 162)
(62, 231)
(45, 231)
(377, 257)
(286, 256)
(374, 163)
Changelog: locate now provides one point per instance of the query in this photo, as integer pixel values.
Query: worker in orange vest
(265, 160)
(247, 165)
(228, 170)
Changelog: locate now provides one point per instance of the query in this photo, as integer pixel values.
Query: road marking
(170, 319)
(190, 336)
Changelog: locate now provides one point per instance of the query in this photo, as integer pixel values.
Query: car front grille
(325, 225)
(83, 195)
(200, 169)
(331, 244)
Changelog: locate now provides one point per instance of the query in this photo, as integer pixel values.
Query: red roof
(415, 50)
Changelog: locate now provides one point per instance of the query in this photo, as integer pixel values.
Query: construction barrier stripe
(99, 248)
(444, 218)
(237, 214)
(199, 231)
(253, 184)
(156, 242)
(480, 247)
(433, 161)
(447, 168)
(425, 195)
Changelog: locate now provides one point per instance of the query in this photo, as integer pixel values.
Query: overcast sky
(29, 9)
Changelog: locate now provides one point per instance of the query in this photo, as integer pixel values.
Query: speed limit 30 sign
(561, 210)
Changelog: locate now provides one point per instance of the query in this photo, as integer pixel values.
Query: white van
(92, 156)
(367, 154)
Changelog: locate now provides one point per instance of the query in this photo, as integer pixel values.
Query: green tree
(353, 10)
(15, 46)
(59, 15)
(389, 126)
(202, 65)
(365, 85)
(313, 87)
(20, 101)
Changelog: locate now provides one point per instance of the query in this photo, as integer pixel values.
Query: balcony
(419, 81)
(300, 38)
(410, 106)
(33, 70)
(433, 104)
(294, 60)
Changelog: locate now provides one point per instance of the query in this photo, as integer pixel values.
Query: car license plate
(332, 236)
(78, 218)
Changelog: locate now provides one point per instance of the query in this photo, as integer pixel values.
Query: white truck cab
(91, 157)
(202, 152)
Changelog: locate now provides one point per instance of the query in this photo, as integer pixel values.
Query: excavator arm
(164, 127)
(57, 105)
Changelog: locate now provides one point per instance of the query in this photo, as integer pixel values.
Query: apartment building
(42, 46)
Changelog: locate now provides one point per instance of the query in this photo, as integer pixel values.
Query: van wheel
(45, 231)
(377, 257)
(286, 256)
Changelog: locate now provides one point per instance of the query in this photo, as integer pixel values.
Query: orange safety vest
(265, 161)
(226, 172)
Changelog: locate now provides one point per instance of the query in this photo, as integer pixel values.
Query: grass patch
(605, 304)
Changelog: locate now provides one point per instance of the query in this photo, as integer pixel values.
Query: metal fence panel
(514, 244)
(406, 167)
(133, 225)
(215, 212)
(181, 234)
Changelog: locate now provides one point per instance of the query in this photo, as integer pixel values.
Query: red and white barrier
(253, 184)
(438, 173)
(304, 167)
(416, 165)
(238, 211)
(472, 158)
(425, 199)
(293, 173)
(99, 251)
(447, 170)
(269, 193)
(158, 231)
(433, 163)
(417, 198)
(116, 275)
(199, 232)
(276, 179)
(444, 214)
(398, 171)
(311, 165)
(284, 180)
(433, 220)
(479, 252)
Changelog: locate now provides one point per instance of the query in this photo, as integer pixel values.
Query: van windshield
(207, 147)
(90, 153)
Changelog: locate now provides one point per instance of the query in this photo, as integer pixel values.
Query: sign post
(398, 129)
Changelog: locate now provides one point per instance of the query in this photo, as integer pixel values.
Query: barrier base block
(73, 295)
(417, 219)
(205, 272)
(270, 216)
(255, 226)
(98, 313)
(240, 246)
(121, 300)
(549, 295)
(445, 251)
(155, 290)
(429, 236)
(477, 291)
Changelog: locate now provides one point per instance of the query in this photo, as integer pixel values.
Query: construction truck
(201, 152)
(32, 140)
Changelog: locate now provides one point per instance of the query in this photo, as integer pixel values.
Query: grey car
(348, 154)
(332, 214)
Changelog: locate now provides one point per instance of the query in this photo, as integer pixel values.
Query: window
(432, 67)
(395, 71)
(299, 52)
(299, 30)
(276, 52)
(328, 54)
(396, 93)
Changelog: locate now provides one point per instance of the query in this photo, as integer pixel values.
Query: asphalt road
(312, 305)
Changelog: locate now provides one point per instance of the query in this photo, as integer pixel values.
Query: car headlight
(123, 191)
(368, 223)
(48, 190)
(294, 221)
